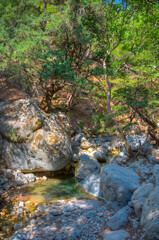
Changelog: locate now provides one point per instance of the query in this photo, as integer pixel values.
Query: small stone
(44, 178)
(18, 226)
(55, 213)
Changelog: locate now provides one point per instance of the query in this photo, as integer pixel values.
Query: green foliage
(91, 45)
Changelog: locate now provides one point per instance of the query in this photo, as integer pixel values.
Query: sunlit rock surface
(33, 140)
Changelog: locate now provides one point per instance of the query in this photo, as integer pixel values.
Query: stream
(54, 189)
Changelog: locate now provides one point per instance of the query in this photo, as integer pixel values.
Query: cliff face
(31, 139)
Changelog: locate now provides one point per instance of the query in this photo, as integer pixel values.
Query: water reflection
(55, 189)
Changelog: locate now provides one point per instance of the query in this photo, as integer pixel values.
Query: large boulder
(150, 216)
(118, 184)
(92, 185)
(33, 140)
(86, 166)
(139, 197)
(120, 219)
(156, 174)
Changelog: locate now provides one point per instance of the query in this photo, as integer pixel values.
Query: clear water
(55, 189)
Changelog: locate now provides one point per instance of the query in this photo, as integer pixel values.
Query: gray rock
(75, 144)
(19, 236)
(116, 235)
(75, 158)
(86, 166)
(139, 197)
(3, 181)
(55, 213)
(30, 177)
(8, 174)
(118, 184)
(103, 149)
(18, 226)
(80, 137)
(120, 219)
(152, 159)
(20, 210)
(134, 223)
(100, 156)
(120, 159)
(6, 186)
(33, 140)
(156, 174)
(92, 185)
(150, 215)
(145, 149)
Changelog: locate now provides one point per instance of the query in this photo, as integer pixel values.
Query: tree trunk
(108, 87)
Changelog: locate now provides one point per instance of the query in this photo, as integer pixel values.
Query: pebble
(72, 220)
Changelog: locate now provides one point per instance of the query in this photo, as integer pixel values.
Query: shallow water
(55, 189)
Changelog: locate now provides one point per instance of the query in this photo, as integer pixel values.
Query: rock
(8, 174)
(152, 159)
(3, 181)
(18, 226)
(103, 149)
(139, 197)
(92, 185)
(19, 236)
(6, 186)
(85, 145)
(20, 210)
(156, 174)
(55, 213)
(75, 158)
(80, 137)
(116, 235)
(120, 159)
(145, 149)
(75, 144)
(44, 178)
(30, 177)
(99, 156)
(120, 219)
(86, 166)
(33, 140)
(117, 185)
(150, 215)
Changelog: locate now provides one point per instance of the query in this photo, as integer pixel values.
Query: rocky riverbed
(126, 190)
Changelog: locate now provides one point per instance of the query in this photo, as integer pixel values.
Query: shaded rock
(156, 174)
(116, 235)
(8, 173)
(19, 236)
(86, 166)
(100, 156)
(120, 159)
(92, 185)
(75, 158)
(150, 216)
(80, 137)
(3, 181)
(139, 197)
(117, 185)
(75, 144)
(33, 140)
(152, 159)
(103, 149)
(145, 149)
(120, 219)
(6, 186)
